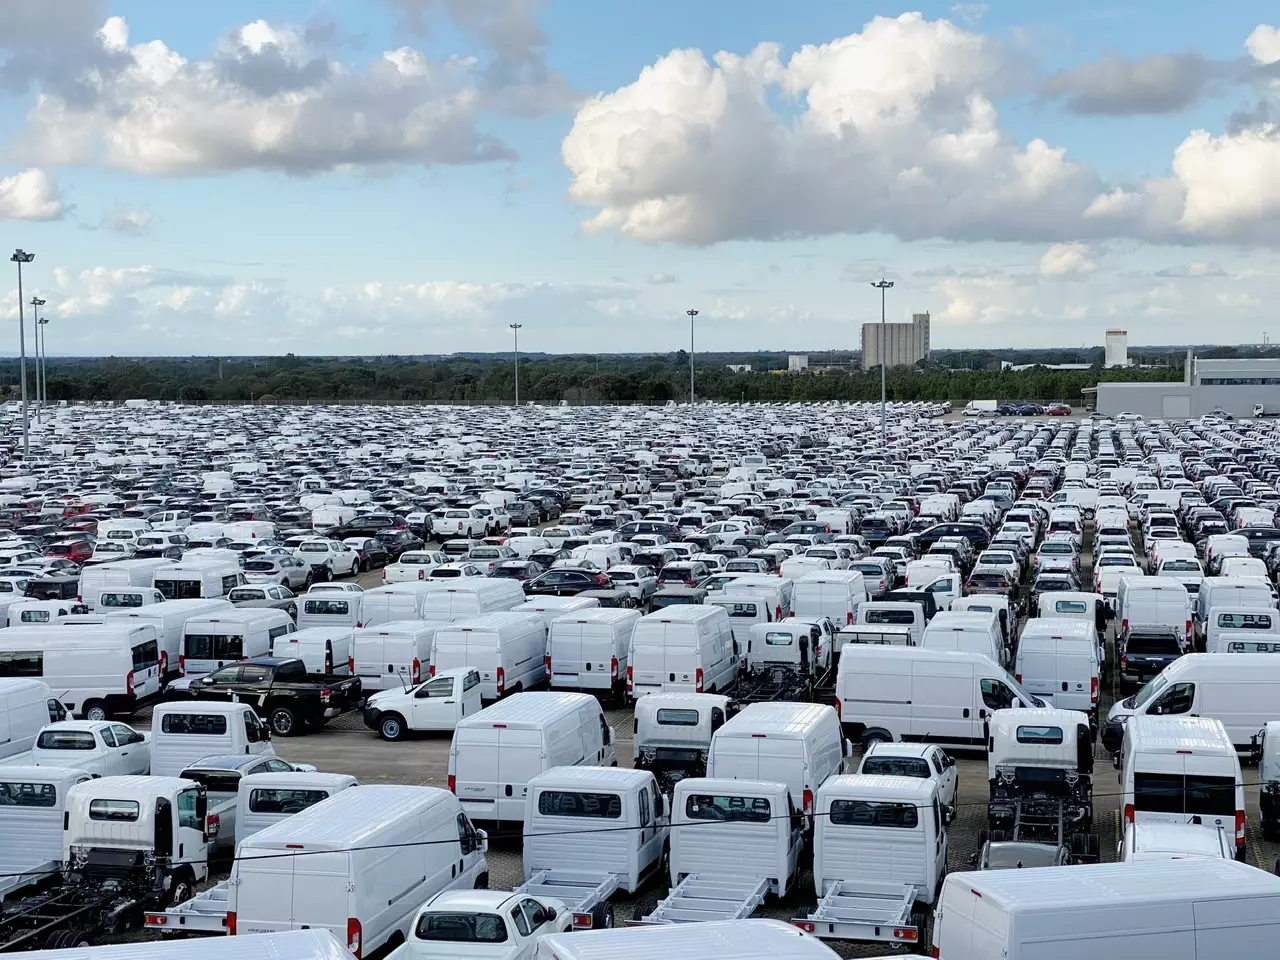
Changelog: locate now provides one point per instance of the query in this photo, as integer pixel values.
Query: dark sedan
(565, 583)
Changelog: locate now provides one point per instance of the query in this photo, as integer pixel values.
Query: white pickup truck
(221, 777)
(485, 924)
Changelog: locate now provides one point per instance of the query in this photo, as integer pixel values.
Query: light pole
(36, 304)
(20, 257)
(882, 285)
(44, 357)
(515, 332)
(692, 314)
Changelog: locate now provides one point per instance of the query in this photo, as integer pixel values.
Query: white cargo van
(393, 654)
(587, 650)
(1172, 909)
(110, 599)
(1058, 662)
(1225, 621)
(209, 643)
(121, 573)
(395, 601)
(358, 864)
(1228, 593)
(1153, 602)
(266, 798)
(496, 752)
(968, 630)
(798, 744)
(1240, 689)
(321, 649)
(682, 649)
(550, 608)
(186, 731)
(26, 705)
(95, 671)
(892, 694)
(461, 598)
(333, 609)
(894, 613)
(1182, 770)
(509, 650)
(835, 594)
(170, 617)
(198, 579)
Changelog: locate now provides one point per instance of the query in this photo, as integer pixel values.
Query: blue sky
(408, 176)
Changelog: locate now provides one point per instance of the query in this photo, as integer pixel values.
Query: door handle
(966, 713)
(450, 701)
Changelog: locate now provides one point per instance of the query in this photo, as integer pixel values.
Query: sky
(258, 177)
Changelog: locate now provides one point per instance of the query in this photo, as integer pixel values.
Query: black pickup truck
(1145, 651)
(282, 692)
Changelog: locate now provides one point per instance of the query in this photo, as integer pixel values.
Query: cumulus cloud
(1158, 83)
(1067, 260)
(126, 220)
(30, 195)
(659, 279)
(1196, 268)
(1264, 44)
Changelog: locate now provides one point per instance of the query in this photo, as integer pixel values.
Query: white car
(413, 565)
(102, 748)
(488, 924)
(104, 551)
(466, 522)
(921, 761)
(435, 704)
(451, 571)
(341, 560)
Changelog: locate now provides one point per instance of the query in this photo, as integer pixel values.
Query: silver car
(271, 596)
(287, 571)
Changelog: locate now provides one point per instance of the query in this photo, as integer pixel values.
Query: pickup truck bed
(282, 692)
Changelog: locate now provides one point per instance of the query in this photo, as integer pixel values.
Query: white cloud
(126, 220)
(30, 195)
(1238, 301)
(659, 279)
(1264, 44)
(1232, 184)
(1067, 260)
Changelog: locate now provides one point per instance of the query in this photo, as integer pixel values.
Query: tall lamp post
(20, 257)
(882, 285)
(42, 351)
(515, 332)
(692, 314)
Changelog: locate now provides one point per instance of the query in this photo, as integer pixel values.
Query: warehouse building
(905, 344)
(1209, 386)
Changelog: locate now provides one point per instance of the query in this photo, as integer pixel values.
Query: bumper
(372, 718)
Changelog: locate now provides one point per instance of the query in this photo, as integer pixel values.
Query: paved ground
(346, 746)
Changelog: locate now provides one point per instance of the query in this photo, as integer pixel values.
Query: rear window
(120, 600)
(260, 566)
(1244, 621)
(1176, 793)
(895, 617)
(114, 810)
(728, 809)
(678, 718)
(196, 724)
(868, 813)
(565, 803)
(284, 801)
(1029, 734)
(215, 781)
(338, 608)
(739, 609)
(897, 767)
(34, 616)
(66, 740)
(1070, 606)
(776, 639)
(15, 794)
(1153, 644)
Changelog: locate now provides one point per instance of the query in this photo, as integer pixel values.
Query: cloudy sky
(409, 176)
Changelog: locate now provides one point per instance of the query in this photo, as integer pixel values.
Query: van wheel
(602, 917)
(869, 740)
(183, 890)
(308, 580)
(284, 722)
(392, 727)
(482, 882)
(920, 920)
(96, 710)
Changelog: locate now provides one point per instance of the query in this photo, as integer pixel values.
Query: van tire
(284, 722)
(920, 920)
(872, 737)
(482, 882)
(184, 888)
(392, 727)
(644, 909)
(96, 710)
(602, 916)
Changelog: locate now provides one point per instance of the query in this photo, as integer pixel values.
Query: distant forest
(958, 376)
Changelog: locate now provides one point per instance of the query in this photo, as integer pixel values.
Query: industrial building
(905, 344)
(1117, 348)
(1208, 386)
(798, 363)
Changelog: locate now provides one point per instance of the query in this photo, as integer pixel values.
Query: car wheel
(183, 890)
(392, 728)
(284, 722)
(307, 581)
(96, 710)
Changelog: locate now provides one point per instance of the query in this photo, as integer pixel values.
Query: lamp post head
(692, 313)
(21, 256)
(882, 284)
(515, 326)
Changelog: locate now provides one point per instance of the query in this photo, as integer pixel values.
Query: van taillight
(777, 612)
(613, 667)
(1017, 677)
(182, 664)
(630, 684)
(431, 670)
(546, 664)
(422, 574)
(128, 684)
(808, 801)
(934, 952)
(231, 923)
(416, 670)
(1093, 689)
(1124, 624)
(1128, 813)
(697, 680)
(353, 936)
(502, 681)
(1124, 664)
(839, 709)
(351, 665)
(1239, 828)
(1188, 633)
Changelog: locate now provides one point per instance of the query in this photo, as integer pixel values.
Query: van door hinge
(351, 887)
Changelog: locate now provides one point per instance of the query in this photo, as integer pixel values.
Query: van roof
(1199, 735)
(860, 651)
(1074, 628)
(493, 621)
(598, 615)
(352, 818)
(684, 613)
(872, 786)
(241, 615)
(730, 788)
(528, 710)
(392, 628)
(741, 939)
(784, 720)
(617, 778)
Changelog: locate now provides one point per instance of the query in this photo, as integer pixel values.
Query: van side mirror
(659, 806)
(947, 816)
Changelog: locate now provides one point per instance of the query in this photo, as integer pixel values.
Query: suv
(331, 557)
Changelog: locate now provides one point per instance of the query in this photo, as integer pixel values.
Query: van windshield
(897, 617)
(1149, 692)
(728, 809)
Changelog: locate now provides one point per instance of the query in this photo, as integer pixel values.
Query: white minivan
(682, 649)
(210, 643)
(321, 650)
(508, 649)
(587, 650)
(26, 705)
(463, 597)
(198, 579)
(1058, 662)
(391, 655)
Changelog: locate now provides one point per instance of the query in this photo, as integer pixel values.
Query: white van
(170, 617)
(37, 613)
(393, 654)
(1058, 662)
(368, 857)
(605, 556)
(835, 594)
(1189, 909)
(321, 650)
(1153, 602)
(334, 609)
(894, 613)
(266, 798)
(1182, 770)
(682, 649)
(968, 630)
(891, 694)
(395, 601)
(496, 752)
(736, 828)
(587, 650)
(1225, 592)
(463, 597)
(1224, 622)
(708, 940)
(183, 732)
(26, 705)
(32, 803)
(798, 744)
(121, 573)
(198, 579)
(210, 643)
(96, 671)
(110, 599)
(1240, 689)
(551, 608)
(508, 649)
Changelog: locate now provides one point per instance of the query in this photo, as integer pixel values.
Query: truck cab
(673, 734)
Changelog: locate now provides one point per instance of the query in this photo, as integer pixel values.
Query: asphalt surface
(347, 746)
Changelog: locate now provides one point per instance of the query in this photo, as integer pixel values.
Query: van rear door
(567, 660)
(264, 892)
(320, 900)
(648, 659)
(476, 770)
(683, 658)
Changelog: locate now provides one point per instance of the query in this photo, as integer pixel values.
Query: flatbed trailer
(874, 912)
(205, 913)
(586, 895)
(700, 897)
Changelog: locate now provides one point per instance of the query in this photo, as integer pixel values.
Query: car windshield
(1006, 856)
(461, 928)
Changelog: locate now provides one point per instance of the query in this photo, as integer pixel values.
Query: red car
(1059, 410)
(77, 551)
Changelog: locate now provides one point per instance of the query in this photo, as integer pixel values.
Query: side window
(436, 688)
(468, 838)
(937, 761)
(1177, 699)
(996, 695)
(645, 817)
(604, 731)
(187, 810)
(521, 921)
(108, 737)
(531, 910)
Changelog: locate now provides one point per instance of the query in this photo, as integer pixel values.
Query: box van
(975, 631)
(37, 613)
(508, 649)
(367, 857)
(110, 599)
(266, 798)
(1237, 592)
(736, 828)
(552, 608)
(1225, 621)
(496, 752)
(1153, 602)
(192, 579)
(96, 671)
(683, 649)
(1173, 909)
(170, 617)
(798, 744)
(460, 598)
(1058, 662)
(835, 594)
(393, 654)
(334, 609)
(121, 573)
(209, 643)
(184, 732)
(321, 649)
(26, 705)
(32, 802)
(395, 601)
(588, 650)
(893, 613)
(1182, 770)
(933, 696)
(1240, 689)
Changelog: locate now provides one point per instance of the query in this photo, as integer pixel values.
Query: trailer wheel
(602, 917)
(96, 710)
(76, 939)
(644, 909)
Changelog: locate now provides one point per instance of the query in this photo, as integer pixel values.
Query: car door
(112, 763)
(435, 704)
(134, 752)
(945, 770)
(219, 685)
